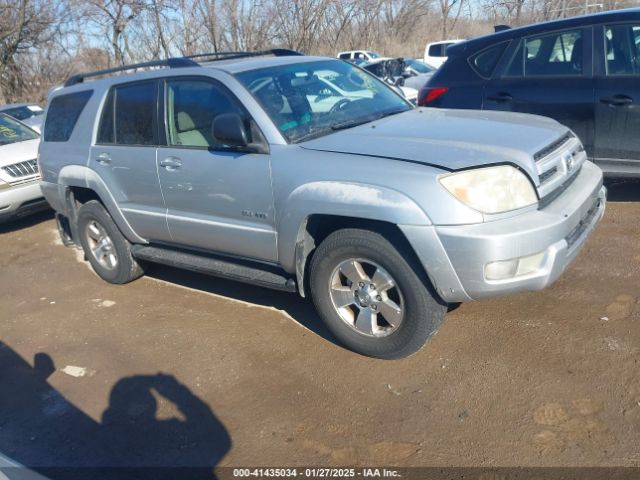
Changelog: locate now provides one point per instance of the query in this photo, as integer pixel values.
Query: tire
(407, 311)
(107, 250)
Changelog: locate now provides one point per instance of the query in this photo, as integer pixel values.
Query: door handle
(617, 100)
(171, 164)
(103, 159)
(501, 97)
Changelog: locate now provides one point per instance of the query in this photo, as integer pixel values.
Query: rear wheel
(107, 250)
(370, 297)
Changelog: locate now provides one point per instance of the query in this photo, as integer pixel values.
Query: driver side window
(191, 107)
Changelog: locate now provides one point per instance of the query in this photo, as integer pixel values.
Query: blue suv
(583, 72)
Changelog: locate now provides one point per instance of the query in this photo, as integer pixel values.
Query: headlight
(491, 189)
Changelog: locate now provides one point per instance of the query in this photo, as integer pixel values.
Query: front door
(549, 75)
(218, 198)
(618, 99)
(124, 156)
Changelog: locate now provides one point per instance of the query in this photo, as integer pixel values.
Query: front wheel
(370, 297)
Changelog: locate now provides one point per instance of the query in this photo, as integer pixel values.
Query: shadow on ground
(26, 222)
(298, 308)
(42, 430)
(623, 190)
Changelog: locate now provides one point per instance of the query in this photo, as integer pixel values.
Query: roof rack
(170, 62)
(181, 62)
(276, 52)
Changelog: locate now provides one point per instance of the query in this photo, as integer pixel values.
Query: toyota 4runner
(308, 174)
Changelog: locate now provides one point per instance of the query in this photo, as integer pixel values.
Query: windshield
(309, 100)
(373, 55)
(12, 131)
(419, 66)
(24, 112)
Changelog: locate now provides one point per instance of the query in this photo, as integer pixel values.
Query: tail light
(429, 94)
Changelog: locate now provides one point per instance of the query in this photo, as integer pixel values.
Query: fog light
(516, 267)
(501, 270)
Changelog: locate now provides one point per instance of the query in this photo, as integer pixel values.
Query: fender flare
(337, 199)
(84, 177)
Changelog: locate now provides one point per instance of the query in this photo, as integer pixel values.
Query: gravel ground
(179, 369)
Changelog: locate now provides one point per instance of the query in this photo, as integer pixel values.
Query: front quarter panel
(310, 183)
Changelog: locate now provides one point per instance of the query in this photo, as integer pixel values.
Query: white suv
(358, 56)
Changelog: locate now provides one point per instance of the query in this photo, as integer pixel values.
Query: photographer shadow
(43, 431)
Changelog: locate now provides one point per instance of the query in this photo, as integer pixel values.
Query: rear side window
(129, 115)
(63, 114)
(554, 54)
(622, 43)
(485, 62)
(436, 50)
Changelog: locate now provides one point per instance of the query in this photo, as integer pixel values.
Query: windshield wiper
(350, 123)
(362, 121)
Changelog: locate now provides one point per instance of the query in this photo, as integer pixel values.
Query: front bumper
(455, 256)
(17, 201)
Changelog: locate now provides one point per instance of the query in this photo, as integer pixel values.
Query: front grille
(553, 146)
(544, 176)
(22, 169)
(557, 166)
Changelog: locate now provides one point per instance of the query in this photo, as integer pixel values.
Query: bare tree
(113, 17)
(24, 25)
(450, 10)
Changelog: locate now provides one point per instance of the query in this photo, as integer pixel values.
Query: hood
(18, 152)
(448, 139)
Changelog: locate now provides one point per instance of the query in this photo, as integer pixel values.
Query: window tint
(135, 114)
(63, 114)
(558, 53)
(192, 105)
(485, 61)
(436, 50)
(622, 44)
(345, 55)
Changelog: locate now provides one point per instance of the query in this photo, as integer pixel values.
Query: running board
(202, 263)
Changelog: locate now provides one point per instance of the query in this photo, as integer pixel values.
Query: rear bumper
(556, 233)
(21, 200)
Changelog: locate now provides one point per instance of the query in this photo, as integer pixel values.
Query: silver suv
(308, 174)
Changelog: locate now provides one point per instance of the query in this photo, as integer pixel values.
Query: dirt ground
(186, 370)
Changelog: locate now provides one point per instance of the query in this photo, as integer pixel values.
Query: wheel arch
(78, 185)
(318, 227)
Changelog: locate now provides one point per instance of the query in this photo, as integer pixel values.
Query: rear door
(618, 98)
(124, 155)
(218, 198)
(549, 75)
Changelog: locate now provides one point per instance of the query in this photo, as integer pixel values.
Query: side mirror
(399, 82)
(229, 129)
